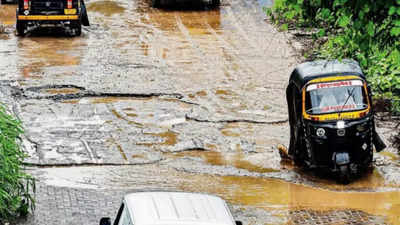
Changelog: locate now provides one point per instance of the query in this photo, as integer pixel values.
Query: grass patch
(16, 186)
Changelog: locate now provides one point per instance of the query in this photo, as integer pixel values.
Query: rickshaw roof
(323, 68)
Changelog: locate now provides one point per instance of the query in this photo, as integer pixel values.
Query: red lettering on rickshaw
(338, 108)
(334, 84)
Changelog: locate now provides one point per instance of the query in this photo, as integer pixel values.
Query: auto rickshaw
(69, 14)
(331, 118)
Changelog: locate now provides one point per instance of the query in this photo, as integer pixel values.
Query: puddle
(107, 100)
(264, 193)
(131, 114)
(169, 138)
(229, 159)
(37, 53)
(121, 117)
(112, 141)
(107, 8)
(7, 14)
(269, 194)
(62, 90)
(391, 155)
(71, 101)
(229, 133)
(224, 92)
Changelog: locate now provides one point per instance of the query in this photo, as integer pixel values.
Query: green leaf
(284, 27)
(392, 10)
(370, 29)
(321, 33)
(398, 11)
(343, 21)
(325, 13)
(395, 31)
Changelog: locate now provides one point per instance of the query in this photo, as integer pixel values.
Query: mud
(187, 99)
(264, 193)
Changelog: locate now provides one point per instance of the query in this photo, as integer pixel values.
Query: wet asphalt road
(186, 99)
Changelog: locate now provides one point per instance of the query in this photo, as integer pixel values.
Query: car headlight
(320, 132)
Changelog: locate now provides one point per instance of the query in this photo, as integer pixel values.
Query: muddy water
(268, 194)
(205, 69)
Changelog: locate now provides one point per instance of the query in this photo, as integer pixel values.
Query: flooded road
(188, 99)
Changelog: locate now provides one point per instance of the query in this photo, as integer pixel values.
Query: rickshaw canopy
(307, 71)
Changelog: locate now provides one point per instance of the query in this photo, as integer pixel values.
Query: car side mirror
(237, 222)
(105, 221)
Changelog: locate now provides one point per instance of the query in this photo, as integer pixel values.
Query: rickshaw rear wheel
(344, 174)
(215, 3)
(21, 25)
(155, 3)
(77, 28)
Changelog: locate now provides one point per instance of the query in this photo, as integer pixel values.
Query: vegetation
(365, 30)
(16, 186)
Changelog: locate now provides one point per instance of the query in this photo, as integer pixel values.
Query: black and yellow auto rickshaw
(331, 117)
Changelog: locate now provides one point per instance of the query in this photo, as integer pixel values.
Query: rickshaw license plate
(69, 11)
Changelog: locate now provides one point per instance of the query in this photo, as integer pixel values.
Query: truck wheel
(21, 25)
(344, 174)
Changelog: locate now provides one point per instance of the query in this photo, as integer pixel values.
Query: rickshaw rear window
(333, 97)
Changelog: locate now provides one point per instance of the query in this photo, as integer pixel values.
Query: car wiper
(350, 95)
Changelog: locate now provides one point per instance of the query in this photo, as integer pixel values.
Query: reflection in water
(196, 21)
(7, 14)
(37, 53)
(272, 194)
(264, 193)
(62, 90)
(107, 8)
(236, 160)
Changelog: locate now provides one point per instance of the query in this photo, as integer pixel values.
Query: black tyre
(155, 3)
(76, 28)
(21, 25)
(215, 3)
(344, 174)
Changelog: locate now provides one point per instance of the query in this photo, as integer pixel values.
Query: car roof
(174, 208)
(307, 71)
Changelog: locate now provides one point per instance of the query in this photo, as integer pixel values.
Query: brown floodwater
(271, 194)
(236, 160)
(107, 8)
(62, 90)
(7, 14)
(228, 58)
(169, 138)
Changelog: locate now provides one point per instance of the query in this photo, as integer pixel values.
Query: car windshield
(332, 97)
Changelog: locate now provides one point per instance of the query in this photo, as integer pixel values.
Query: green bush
(365, 30)
(16, 187)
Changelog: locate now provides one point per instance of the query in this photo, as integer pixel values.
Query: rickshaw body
(331, 117)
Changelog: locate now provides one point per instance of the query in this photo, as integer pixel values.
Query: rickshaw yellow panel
(69, 11)
(334, 78)
(53, 17)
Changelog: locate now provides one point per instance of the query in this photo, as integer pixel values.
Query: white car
(172, 208)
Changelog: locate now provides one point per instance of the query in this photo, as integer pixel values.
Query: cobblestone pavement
(65, 205)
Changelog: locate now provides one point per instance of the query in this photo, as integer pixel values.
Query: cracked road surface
(188, 99)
